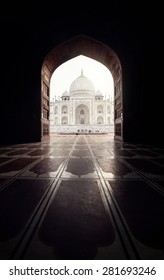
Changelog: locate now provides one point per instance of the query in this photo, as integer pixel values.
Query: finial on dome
(81, 72)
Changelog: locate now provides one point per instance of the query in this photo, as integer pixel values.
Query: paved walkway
(81, 197)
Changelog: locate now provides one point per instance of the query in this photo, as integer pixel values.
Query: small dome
(98, 93)
(82, 84)
(65, 93)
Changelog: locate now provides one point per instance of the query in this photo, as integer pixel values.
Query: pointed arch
(83, 45)
(82, 115)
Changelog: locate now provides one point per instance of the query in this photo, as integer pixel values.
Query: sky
(67, 72)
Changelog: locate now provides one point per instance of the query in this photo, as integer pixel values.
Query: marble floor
(81, 197)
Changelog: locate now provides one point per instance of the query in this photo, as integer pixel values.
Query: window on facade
(56, 110)
(56, 121)
(99, 109)
(64, 120)
(100, 120)
(64, 110)
(108, 110)
(108, 120)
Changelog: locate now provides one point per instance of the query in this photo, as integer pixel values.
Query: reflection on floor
(81, 197)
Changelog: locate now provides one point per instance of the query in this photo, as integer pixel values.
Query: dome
(98, 93)
(65, 93)
(82, 84)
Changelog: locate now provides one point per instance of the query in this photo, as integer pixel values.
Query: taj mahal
(82, 109)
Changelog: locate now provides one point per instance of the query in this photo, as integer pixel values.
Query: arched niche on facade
(82, 115)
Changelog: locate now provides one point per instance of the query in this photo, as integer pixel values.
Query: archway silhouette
(81, 45)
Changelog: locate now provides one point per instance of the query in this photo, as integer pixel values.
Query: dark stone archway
(82, 45)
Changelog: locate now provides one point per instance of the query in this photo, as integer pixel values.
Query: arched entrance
(81, 45)
(82, 114)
